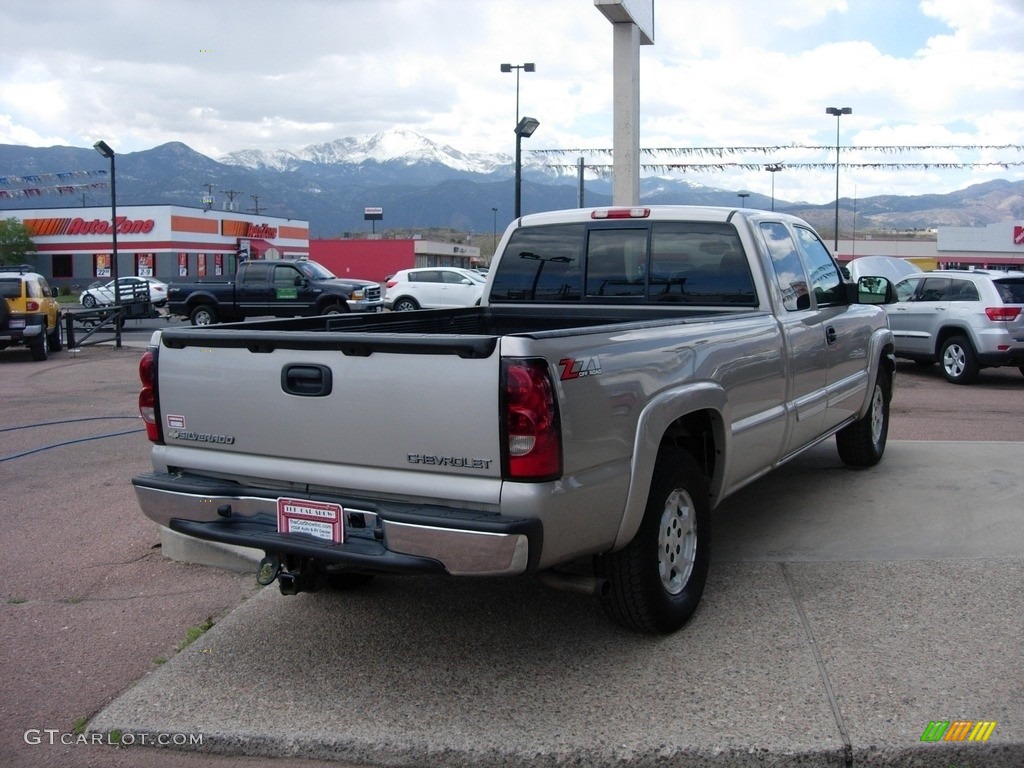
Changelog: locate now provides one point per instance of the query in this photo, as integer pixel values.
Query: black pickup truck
(284, 288)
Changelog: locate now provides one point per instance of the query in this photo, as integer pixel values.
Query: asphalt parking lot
(845, 612)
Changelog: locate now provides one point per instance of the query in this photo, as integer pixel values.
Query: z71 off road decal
(578, 367)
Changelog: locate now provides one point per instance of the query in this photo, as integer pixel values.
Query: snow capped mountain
(393, 146)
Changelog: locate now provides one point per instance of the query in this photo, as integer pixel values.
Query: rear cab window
(662, 261)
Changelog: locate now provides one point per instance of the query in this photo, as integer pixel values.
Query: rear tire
(862, 443)
(40, 346)
(405, 304)
(203, 314)
(658, 578)
(57, 337)
(959, 363)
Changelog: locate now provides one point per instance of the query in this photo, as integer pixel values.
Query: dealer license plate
(315, 518)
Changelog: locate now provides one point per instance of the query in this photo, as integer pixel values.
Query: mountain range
(421, 184)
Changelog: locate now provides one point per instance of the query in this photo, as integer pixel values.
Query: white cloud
(230, 75)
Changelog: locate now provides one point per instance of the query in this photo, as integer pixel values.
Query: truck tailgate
(375, 405)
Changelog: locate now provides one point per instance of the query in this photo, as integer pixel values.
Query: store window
(61, 265)
(144, 264)
(101, 265)
(182, 265)
(201, 265)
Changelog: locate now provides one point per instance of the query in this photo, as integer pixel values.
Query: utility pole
(256, 205)
(231, 197)
(208, 197)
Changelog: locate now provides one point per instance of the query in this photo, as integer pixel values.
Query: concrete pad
(845, 611)
(185, 549)
(908, 643)
(427, 672)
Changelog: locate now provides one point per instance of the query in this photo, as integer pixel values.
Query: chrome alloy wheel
(954, 360)
(677, 541)
(877, 415)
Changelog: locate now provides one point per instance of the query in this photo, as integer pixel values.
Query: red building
(379, 259)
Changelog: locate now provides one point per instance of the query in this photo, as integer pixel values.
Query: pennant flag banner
(49, 178)
(60, 189)
(776, 149)
(660, 159)
(40, 184)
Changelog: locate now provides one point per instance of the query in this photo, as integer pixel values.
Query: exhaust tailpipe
(575, 582)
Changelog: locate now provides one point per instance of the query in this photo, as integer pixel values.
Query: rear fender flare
(655, 419)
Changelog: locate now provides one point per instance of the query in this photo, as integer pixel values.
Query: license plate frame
(321, 519)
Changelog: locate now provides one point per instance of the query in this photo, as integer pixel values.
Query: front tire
(89, 301)
(203, 314)
(658, 578)
(334, 309)
(959, 363)
(862, 443)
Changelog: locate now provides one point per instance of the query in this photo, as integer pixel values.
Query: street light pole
(104, 149)
(773, 168)
(838, 112)
(527, 67)
(743, 198)
(494, 233)
(524, 130)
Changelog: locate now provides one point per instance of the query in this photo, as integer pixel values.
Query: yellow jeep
(29, 313)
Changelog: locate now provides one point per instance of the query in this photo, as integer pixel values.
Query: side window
(826, 282)
(699, 263)
(935, 289)
(425, 276)
(541, 264)
(789, 270)
(284, 276)
(905, 289)
(617, 263)
(452, 277)
(255, 273)
(964, 290)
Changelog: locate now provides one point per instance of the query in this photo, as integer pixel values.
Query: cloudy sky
(225, 75)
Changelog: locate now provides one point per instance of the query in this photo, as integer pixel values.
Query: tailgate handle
(306, 380)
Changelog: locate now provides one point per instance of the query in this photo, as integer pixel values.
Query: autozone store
(168, 242)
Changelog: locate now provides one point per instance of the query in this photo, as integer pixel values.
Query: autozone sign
(79, 226)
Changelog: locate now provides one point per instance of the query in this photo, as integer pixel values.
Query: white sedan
(99, 294)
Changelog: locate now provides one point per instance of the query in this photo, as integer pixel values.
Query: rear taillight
(391, 283)
(1002, 313)
(147, 397)
(531, 427)
(32, 306)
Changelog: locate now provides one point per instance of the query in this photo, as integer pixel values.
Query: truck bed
(466, 332)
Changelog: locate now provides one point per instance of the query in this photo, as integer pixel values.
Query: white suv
(965, 320)
(432, 288)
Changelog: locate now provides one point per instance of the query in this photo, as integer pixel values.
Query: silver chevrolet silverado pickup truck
(627, 370)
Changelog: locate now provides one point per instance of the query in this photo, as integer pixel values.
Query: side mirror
(875, 290)
(466, 281)
(301, 282)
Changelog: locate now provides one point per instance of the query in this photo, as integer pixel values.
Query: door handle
(306, 380)
(830, 335)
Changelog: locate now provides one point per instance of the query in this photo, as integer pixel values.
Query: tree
(15, 244)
